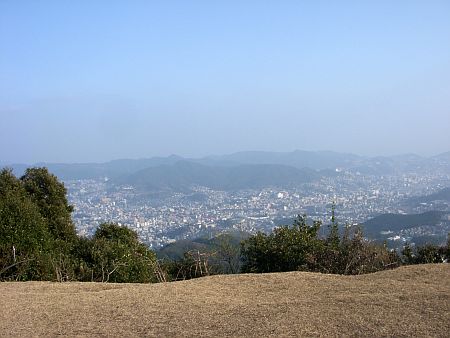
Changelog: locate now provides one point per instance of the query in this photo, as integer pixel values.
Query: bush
(115, 255)
(25, 241)
(38, 239)
(425, 254)
(298, 248)
(287, 248)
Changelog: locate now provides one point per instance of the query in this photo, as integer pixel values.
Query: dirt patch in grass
(409, 301)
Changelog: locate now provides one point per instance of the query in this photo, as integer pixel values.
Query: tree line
(38, 241)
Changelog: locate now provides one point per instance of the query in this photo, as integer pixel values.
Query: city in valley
(161, 217)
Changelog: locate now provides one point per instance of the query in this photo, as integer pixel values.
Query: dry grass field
(409, 301)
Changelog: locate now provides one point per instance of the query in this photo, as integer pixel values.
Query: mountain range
(397, 222)
(182, 175)
(241, 170)
(440, 195)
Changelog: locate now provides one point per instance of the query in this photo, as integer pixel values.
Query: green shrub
(299, 248)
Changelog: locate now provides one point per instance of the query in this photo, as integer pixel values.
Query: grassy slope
(409, 301)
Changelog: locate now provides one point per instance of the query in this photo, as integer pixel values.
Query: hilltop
(441, 195)
(397, 222)
(183, 175)
(408, 301)
(284, 162)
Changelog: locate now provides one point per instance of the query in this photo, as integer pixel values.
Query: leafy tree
(407, 254)
(333, 239)
(50, 196)
(24, 237)
(429, 254)
(287, 248)
(38, 239)
(447, 248)
(360, 256)
(194, 264)
(425, 254)
(299, 248)
(118, 256)
(227, 254)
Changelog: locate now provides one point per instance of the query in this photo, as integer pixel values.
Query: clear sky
(99, 80)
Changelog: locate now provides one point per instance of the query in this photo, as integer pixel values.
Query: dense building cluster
(162, 217)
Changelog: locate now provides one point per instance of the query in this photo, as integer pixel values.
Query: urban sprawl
(161, 218)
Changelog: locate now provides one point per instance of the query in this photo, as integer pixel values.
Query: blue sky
(99, 80)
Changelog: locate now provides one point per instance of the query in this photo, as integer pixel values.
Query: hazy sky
(99, 80)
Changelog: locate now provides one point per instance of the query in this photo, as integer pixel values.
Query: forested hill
(316, 160)
(183, 175)
(397, 222)
(441, 195)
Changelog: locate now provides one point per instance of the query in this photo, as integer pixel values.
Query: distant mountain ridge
(441, 195)
(114, 168)
(397, 222)
(316, 160)
(183, 175)
(298, 158)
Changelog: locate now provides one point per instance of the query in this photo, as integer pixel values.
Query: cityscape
(225, 168)
(162, 218)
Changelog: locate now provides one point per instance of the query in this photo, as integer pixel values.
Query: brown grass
(409, 301)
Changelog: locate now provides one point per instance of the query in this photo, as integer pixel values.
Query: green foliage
(407, 254)
(397, 222)
(38, 239)
(194, 264)
(38, 242)
(333, 239)
(201, 257)
(227, 257)
(50, 196)
(287, 248)
(299, 248)
(118, 256)
(429, 254)
(447, 248)
(426, 254)
(24, 237)
(220, 254)
(355, 255)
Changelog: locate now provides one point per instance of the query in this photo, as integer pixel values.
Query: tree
(407, 253)
(287, 248)
(228, 254)
(333, 239)
(38, 239)
(299, 248)
(118, 256)
(24, 237)
(430, 254)
(50, 196)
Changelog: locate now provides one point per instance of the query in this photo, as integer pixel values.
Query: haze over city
(90, 82)
(225, 168)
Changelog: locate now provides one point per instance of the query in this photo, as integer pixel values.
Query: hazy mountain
(320, 160)
(443, 160)
(397, 222)
(184, 174)
(441, 195)
(382, 165)
(18, 168)
(176, 250)
(316, 160)
(443, 156)
(112, 169)
(297, 158)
